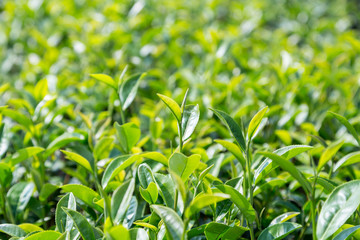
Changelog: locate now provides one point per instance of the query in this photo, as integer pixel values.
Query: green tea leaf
(150, 194)
(46, 190)
(328, 154)
(105, 79)
(239, 200)
(48, 235)
(189, 120)
(128, 134)
(63, 222)
(283, 217)
(145, 175)
(217, 231)
(234, 128)
(203, 200)
(346, 123)
(173, 223)
(138, 234)
(116, 166)
(12, 230)
(129, 89)
(62, 141)
(24, 154)
(78, 159)
(347, 233)
(121, 200)
(182, 165)
(338, 207)
(278, 231)
(289, 167)
(22, 119)
(118, 232)
(287, 152)
(255, 122)
(167, 188)
(347, 160)
(85, 194)
(234, 149)
(103, 148)
(5, 175)
(172, 105)
(82, 225)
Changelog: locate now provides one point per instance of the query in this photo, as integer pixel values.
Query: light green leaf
(328, 154)
(145, 175)
(289, 167)
(150, 194)
(189, 120)
(61, 141)
(85, 194)
(128, 134)
(103, 147)
(203, 200)
(346, 123)
(217, 231)
(46, 190)
(5, 174)
(255, 122)
(138, 234)
(347, 160)
(78, 159)
(121, 200)
(129, 89)
(234, 149)
(173, 223)
(19, 196)
(234, 128)
(12, 230)
(287, 152)
(338, 207)
(17, 116)
(327, 184)
(283, 217)
(63, 222)
(239, 200)
(278, 231)
(29, 228)
(116, 166)
(82, 225)
(117, 232)
(48, 235)
(172, 105)
(182, 165)
(24, 154)
(347, 233)
(156, 156)
(167, 188)
(105, 79)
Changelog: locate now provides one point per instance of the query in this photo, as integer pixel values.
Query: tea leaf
(338, 207)
(172, 105)
(278, 231)
(173, 223)
(233, 127)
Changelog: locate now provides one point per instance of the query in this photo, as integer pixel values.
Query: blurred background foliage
(301, 58)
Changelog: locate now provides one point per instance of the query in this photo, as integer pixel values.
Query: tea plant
(242, 121)
(105, 183)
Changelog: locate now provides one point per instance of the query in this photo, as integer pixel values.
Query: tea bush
(179, 119)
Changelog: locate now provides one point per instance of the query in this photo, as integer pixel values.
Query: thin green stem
(3, 199)
(250, 187)
(186, 222)
(176, 199)
(180, 138)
